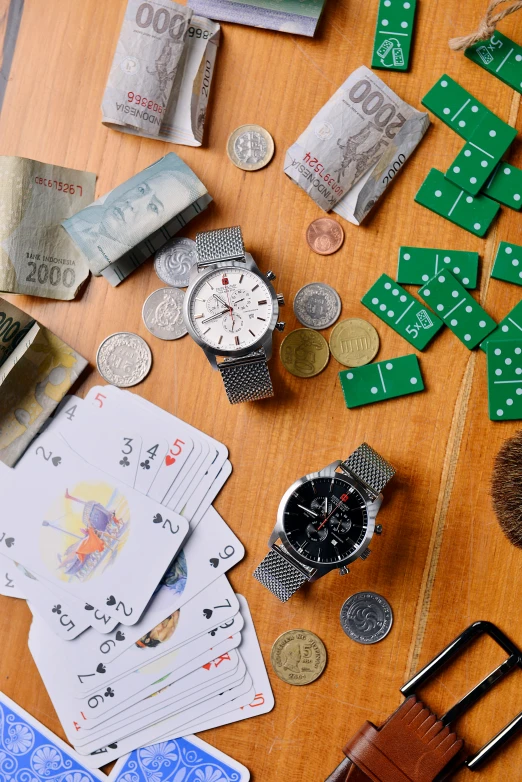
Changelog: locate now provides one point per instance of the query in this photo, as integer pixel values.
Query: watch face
(230, 309)
(325, 520)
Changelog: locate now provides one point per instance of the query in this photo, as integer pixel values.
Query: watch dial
(325, 520)
(231, 309)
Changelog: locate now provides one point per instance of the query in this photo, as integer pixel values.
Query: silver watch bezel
(198, 275)
(372, 508)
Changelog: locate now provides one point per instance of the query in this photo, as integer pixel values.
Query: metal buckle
(476, 761)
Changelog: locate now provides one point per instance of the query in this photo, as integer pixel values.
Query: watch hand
(237, 302)
(308, 510)
(217, 315)
(331, 514)
(325, 505)
(230, 309)
(336, 537)
(221, 301)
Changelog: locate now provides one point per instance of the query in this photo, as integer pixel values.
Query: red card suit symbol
(207, 613)
(169, 460)
(111, 600)
(214, 562)
(101, 668)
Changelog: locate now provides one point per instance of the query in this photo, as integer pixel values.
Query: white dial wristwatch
(231, 310)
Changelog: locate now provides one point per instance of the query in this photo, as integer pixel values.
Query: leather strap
(412, 746)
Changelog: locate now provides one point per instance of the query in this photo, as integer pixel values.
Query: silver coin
(366, 617)
(317, 305)
(173, 262)
(124, 359)
(163, 313)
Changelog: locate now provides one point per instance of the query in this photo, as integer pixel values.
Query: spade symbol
(9, 542)
(207, 613)
(111, 600)
(213, 632)
(158, 518)
(120, 636)
(89, 607)
(56, 460)
(113, 746)
(214, 562)
(101, 668)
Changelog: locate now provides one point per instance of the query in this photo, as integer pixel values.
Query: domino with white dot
(417, 265)
(501, 57)
(394, 34)
(510, 327)
(458, 309)
(381, 380)
(505, 379)
(473, 213)
(508, 263)
(402, 312)
(455, 106)
(505, 186)
(481, 154)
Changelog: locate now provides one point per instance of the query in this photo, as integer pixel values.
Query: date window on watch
(224, 281)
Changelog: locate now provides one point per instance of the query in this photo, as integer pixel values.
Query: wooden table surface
(442, 561)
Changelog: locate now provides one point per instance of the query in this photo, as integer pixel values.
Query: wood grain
(442, 561)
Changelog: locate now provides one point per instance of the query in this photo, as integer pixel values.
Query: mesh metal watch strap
(246, 379)
(368, 467)
(281, 576)
(223, 244)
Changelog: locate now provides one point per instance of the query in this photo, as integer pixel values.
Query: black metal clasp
(456, 647)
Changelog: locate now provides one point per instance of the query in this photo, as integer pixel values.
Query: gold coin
(354, 342)
(304, 352)
(298, 657)
(250, 147)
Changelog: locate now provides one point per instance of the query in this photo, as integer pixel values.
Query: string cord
(487, 24)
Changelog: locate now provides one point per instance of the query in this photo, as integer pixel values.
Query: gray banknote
(148, 53)
(183, 120)
(130, 223)
(299, 17)
(363, 124)
(37, 369)
(37, 257)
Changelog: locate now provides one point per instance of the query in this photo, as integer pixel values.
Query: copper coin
(324, 236)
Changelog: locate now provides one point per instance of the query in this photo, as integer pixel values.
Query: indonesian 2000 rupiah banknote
(136, 75)
(355, 145)
(36, 371)
(299, 17)
(37, 257)
(130, 223)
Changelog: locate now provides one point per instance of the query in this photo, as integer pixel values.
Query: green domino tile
(505, 379)
(455, 106)
(481, 154)
(508, 263)
(394, 34)
(509, 327)
(381, 380)
(458, 309)
(501, 57)
(474, 213)
(505, 186)
(400, 310)
(417, 265)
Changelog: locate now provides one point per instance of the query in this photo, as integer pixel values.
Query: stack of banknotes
(37, 369)
(355, 146)
(123, 228)
(287, 16)
(160, 78)
(137, 632)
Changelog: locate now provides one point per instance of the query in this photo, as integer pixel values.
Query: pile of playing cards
(136, 630)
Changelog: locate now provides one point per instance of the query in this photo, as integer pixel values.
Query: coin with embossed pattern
(250, 147)
(163, 313)
(324, 236)
(354, 342)
(298, 657)
(124, 359)
(317, 305)
(304, 353)
(366, 617)
(174, 261)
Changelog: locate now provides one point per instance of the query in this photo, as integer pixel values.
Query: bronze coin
(324, 236)
(298, 657)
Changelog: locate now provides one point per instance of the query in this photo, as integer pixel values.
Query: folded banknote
(37, 257)
(287, 16)
(36, 371)
(159, 82)
(355, 145)
(123, 228)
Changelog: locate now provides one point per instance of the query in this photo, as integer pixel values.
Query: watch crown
(378, 529)
(270, 276)
(280, 299)
(343, 571)
(280, 325)
(366, 553)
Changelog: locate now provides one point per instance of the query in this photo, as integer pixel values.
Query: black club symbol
(145, 465)
(57, 609)
(109, 692)
(124, 462)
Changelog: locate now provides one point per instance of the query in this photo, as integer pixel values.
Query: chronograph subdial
(315, 534)
(240, 299)
(232, 322)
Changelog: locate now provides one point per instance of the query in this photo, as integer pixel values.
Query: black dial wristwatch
(325, 521)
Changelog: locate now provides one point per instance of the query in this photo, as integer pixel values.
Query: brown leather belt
(414, 745)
